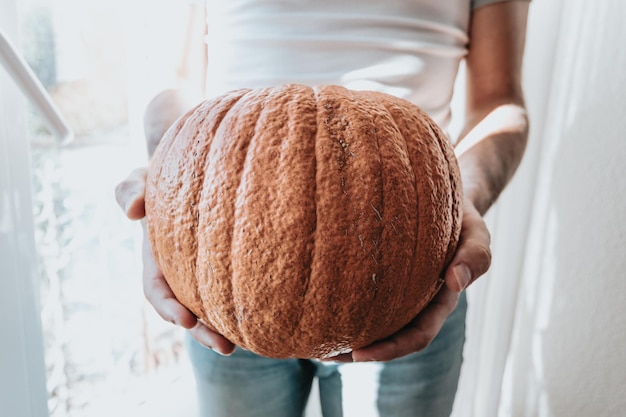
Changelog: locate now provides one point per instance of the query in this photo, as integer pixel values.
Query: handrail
(30, 85)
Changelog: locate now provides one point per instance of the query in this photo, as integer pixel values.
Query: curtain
(536, 346)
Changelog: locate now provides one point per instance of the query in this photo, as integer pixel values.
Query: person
(411, 49)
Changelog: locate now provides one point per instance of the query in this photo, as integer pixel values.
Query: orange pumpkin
(304, 222)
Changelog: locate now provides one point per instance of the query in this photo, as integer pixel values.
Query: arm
(496, 128)
(489, 151)
(492, 143)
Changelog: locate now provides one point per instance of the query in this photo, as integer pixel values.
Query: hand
(130, 197)
(471, 260)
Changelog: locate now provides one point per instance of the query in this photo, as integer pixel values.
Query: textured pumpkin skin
(302, 222)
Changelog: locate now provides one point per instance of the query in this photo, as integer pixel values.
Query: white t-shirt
(408, 48)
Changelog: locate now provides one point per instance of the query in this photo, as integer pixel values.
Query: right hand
(130, 196)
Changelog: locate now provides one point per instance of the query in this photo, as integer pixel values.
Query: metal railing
(30, 85)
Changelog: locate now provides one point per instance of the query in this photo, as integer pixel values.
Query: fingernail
(221, 352)
(463, 275)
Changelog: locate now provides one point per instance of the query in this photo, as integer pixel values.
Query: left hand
(130, 195)
(471, 260)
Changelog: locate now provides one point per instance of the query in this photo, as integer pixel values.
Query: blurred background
(546, 328)
(106, 352)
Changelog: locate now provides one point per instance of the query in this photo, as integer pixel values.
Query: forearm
(493, 141)
(490, 152)
(163, 110)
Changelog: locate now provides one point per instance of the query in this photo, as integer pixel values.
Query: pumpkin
(304, 222)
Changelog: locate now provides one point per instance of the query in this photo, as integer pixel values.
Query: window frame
(22, 365)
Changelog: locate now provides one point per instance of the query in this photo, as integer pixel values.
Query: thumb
(473, 255)
(130, 194)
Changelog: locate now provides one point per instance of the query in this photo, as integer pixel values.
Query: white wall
(568, 355)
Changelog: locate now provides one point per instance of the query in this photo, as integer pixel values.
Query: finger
(417, 335)
(158, 292)
(212, 340)
(168, 307)
(473, 255)
(160, 295)
(171, 310)
(341, 358)
(130, 194)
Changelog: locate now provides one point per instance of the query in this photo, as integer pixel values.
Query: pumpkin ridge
(379, 211)
(430, 164)
(237, 299)
(195, 198)
(435, 133)
(216, 241)
(441, 148)
(151, 199)
(434, 164)
(310, 286)
(297, 332)
(456, 197)
(389, 106)
(224, 104)
(175, 142)
(152, 193)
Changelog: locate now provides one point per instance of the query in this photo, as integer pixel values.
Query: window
(105, 349)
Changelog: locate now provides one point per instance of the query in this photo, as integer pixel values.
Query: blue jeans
(247, 385)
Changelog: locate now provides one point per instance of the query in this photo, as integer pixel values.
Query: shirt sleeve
(480, 3)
